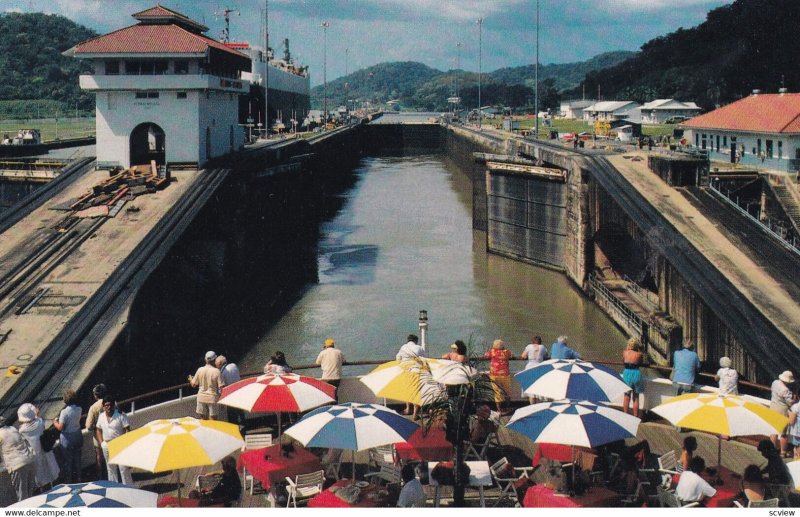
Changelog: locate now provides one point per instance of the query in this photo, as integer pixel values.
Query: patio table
(479, 477)
(269, 466)
(539, 496)
(584, 457)
(328, 499)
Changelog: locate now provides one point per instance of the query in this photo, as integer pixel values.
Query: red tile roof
(160, 12)
(765, 113)
(151, 39)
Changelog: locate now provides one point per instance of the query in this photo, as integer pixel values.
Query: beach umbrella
(407, 380)
(728, 415)
(454, 373)
(95, 494)
(574, 423)
(174, 444)
(278, 393)
(352, 426)
(794, 470)
(572, 379)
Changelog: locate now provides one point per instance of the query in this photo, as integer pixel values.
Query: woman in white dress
(32, 428)
(535, 353)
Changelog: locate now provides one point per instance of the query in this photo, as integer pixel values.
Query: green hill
(746, 45)
(417, 86)
(32, 67)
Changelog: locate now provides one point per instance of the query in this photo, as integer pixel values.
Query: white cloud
(627, 6)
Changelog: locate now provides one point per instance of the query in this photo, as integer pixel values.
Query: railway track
(54, 369)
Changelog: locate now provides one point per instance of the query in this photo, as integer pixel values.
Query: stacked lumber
(107, 197)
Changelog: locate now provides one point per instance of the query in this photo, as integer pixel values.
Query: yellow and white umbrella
(175, 444)
(729, 415)
(409, 380)
(794, 470)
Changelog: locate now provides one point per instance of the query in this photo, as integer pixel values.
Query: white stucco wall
(220, 113)
(783, 156)
(118, 113)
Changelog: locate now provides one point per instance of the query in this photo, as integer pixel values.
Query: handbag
(48, 439)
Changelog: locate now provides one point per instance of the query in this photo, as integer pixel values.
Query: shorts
(794, 440)
(633, 378)
(208, 409)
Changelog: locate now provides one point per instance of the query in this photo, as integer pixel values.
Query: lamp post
(480, 66)
(458, 67)
(423, 328)
(325, 26)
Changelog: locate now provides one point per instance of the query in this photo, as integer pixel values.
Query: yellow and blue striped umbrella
(729, 415)
(409, 380)
(175, 443)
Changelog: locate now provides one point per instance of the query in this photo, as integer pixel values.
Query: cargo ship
(289, 88)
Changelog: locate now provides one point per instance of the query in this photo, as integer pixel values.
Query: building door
(147, 143)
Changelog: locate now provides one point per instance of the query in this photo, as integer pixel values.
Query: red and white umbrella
(278, 393)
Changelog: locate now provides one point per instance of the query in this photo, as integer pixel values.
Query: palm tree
(454, 406)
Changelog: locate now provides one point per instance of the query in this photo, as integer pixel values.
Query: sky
(363, 33)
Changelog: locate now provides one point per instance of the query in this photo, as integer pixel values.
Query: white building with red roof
(762, 129)
(164, 91)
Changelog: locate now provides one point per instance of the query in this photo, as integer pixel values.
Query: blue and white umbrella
(572, 379)
(95, 494)
(578, 423)
(352, 426)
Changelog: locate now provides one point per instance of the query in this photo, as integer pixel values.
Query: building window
(181, 95)
(146, 67)
(112, 67)
(725, 142)
(147, 95)
(717, 143)
(182, 66)
(758, 147)
(769, 149)
(780, 149)
(696, 140)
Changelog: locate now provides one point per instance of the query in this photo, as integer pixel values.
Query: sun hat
(725, 362)
(211, 355)
(26, 412)
(329, 342)
(454, 346)
(787, 377)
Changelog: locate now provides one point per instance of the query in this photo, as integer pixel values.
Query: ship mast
(226, 14)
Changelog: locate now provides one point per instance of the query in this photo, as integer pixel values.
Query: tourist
(457, 353)
(68, 424)
(776, 471)
(631, 376)
(409, 352)
(18, 459)
(535, 352)
(499, 371)
(111, 424)
(691, 487)
(229, 374)
(560, 350)
(209, 383)
(753, 487)
(277, 364)
(32, 428)
(412, 495)
(727, 377)
(685, 364)
(780, 402)
(483, 425)
(229, 489)
(98, 392)
(793, 430)
(330, 361)
(687, 453)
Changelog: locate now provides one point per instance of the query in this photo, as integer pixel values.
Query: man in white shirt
(691, 487)
(330, 361)
(113, 423)
(412, 495)
(411, 350)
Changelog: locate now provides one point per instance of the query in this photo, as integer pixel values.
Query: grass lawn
(565, 125)
(51, 130)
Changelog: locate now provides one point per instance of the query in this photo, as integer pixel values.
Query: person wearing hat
(16, 455)
(685, 365)
(208, 380)
(457, 353)
(780, 402)
(31, 428)
(727, 377)
(330, 361)
(98, 392)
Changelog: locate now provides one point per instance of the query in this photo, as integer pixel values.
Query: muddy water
(403, 241)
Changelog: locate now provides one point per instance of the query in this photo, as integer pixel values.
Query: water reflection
(403, 241)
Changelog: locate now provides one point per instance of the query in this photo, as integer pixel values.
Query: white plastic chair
(766, 503)
(388, 473)
(251, 442)
(506, 483)
(668, 466)
(304, 486)
(332, 462)
(478, 450)
(668, 499)
(383, 455)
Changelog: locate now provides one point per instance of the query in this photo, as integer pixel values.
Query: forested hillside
(32, 67)
(740, 47)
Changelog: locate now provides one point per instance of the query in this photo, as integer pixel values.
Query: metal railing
(635, 322)
(775, 230)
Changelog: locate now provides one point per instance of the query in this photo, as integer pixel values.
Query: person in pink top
(499, 371)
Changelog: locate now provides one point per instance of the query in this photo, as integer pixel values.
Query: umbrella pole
(279, 427)
(572, 452)
(178, 475)
(719, 460)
